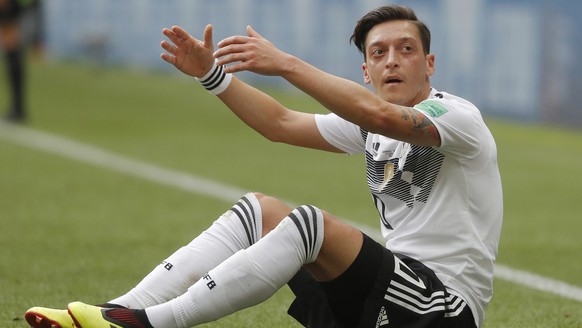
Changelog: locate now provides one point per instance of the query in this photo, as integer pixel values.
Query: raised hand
(188, 54)
(250, 53)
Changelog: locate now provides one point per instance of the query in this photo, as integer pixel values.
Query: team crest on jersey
(388, 175)
(432, 108)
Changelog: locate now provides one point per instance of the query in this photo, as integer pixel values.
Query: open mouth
(393, 81)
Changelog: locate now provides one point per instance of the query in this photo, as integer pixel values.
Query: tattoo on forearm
(421, 125)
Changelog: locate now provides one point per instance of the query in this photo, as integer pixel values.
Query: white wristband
(216, 80)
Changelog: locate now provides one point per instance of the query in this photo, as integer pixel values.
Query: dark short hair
(386, 14)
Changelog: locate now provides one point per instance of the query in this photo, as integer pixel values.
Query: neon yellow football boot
(40, 317)
(90, 316)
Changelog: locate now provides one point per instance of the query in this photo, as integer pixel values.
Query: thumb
(252, 33)
(208, 43)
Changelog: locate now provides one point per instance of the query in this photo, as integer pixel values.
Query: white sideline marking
(539, 282)
(95, 156)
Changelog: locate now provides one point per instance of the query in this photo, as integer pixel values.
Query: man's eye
(377, 52)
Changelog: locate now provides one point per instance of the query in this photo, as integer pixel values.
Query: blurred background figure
(13, 49)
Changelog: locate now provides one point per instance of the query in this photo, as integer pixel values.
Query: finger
(252, 33)
(168, 33)
(168, 47)
(234, 68)
(230, 58)
(237, 39)
(181, 33)
(229, 50)
(208, 43)
(172, 36)
(168, 58)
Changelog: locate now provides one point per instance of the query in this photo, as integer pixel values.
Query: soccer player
(11, 41)
(431, 168)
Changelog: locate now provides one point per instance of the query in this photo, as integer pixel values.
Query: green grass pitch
(72, 231)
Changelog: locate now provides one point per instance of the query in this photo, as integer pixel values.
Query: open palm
(188, 54)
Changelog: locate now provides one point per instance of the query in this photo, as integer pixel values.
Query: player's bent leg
(238, 228)
(40, 317)
(252, 275)
(247, 278)
(306, 236)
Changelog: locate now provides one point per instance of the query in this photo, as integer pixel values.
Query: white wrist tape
(216, 80)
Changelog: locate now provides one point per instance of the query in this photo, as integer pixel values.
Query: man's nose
(392, 59)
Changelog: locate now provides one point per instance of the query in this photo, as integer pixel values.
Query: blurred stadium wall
(514, 58)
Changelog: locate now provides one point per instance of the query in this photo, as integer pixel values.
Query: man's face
(396, 65)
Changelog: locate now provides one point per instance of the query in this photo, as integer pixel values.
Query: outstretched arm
(348, 99)
(257, 109)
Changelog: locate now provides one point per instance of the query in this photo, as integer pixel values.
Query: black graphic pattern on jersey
(246, 213)
(364, 134)
(381, 210)
(414, 183)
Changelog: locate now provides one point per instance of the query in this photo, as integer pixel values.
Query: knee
(273, 210)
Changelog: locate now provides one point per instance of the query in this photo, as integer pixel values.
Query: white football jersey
(443, 205)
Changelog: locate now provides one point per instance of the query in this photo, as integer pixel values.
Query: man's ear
(366, 76)
(430, 65)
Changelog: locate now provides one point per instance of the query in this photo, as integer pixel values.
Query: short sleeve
(458, 122)
(340, 133)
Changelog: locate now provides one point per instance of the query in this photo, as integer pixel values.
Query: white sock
(236, 229)
(249, 276)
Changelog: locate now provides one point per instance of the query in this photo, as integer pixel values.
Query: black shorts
(380, 289)
(11, 11)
